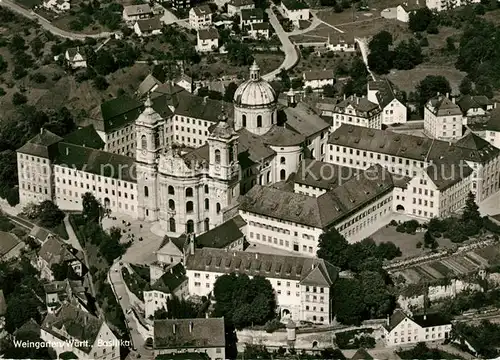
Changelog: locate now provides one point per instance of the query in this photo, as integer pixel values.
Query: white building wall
(350, 117)
(318, 84)
(442, 127)
(35, 178)
(286, 161)
(207, 45)
(213, 353)
(394, 113)
(408, 332)
(121, 141)
(234, 10)
(308, 190)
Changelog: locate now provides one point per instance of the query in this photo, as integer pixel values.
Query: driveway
(291, 53)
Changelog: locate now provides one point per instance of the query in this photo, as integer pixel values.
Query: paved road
(291, 53)
(48, 26)
(116, 279)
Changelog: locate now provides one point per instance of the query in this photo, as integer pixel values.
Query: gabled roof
(252, 149)
(54, 251)
(151, 24)
(361, 105)
(260, 26)
(221, 236)
(280, 136)
(385, 91)
(189, 333)
(303, 120)
(475, 148)
(140, 9)
(252, 14)
(208, 34)
(147, 84)
(492, 123)
(337, 39)
(86, 136)
(323, 175)
(430, 320)
(174, 276)
(323, 211)
(202, 10)
(362, 354)
(467, 102)
(294, 4)
(30, 326)
(444, 175)
(413, 5)
(119, 112)
(77, 323)
(96, 162)
(440, 105)
(308, 271)
(7, 243)
(72, 52)
(318, 75)
(41, 144)
(173, 94)
(202, 108)
(396, 318)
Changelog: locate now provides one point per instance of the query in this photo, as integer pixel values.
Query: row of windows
(32, 158)
(279, 220)
(40, 189)
(64, 170)
(190, 121)
(99, 189)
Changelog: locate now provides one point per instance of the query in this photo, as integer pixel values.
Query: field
(315, 62)
(364, 29)
(220, 66)
(452, 266)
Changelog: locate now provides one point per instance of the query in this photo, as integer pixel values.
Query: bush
(393, 223)
(19, 99)
(419, 245)
(2, 92)
(273, 325)
(38, 78)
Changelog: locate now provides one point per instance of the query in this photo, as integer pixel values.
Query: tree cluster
(178, 308)
(421, 351)
(424, 19)
(405, 56)
(108, 15)
(244, 301)
(47, 213)
(429, 87)
(358, 78)
(485, 338)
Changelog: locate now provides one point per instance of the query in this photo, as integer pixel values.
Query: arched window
(282, 160)
(206, 189)
(189, 207)
(217, 207)
(322, 149)
(207, 224)
(146, 191)
(244, 120)
(171, 204)
(189, 192)
(217, 156)
(268, 178)
(144, 142)
(283, 174)
(272, 118)
(207, 204)
(190, 227)
(312, 154)
(171, 224)
(259, 121)
(171, 190)
(253, 182)
(260, 180)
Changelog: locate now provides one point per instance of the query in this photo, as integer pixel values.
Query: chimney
(438, 93)
(41, 129)
(190, 326)
(205, 99)
(494, 105)
(425, 316)
(453, 100)
(173, 328)
(448, 95)
(344, 96)
(67, 151)
(388, 320)
(256, 255)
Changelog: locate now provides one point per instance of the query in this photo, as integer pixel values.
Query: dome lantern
(255, 92)
(255, 71)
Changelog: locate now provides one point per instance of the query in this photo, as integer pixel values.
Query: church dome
(255, 91)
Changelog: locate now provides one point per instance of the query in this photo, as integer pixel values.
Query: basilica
(192, 158)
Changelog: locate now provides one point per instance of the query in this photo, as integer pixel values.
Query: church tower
(149, 131)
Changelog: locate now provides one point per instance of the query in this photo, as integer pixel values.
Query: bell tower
(149, 143)
(223, 147)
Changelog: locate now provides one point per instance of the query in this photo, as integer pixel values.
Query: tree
(16, 44)
(19, 72)
(348, 301)
(181, 309)
(333, 247)
(420, 19)
(407, 55)
(63, 271)
(104, 63)
(471, 218)
(465, 86)
(49, 214)
(21, 307)
(244, 301)
(92, 208)
(430, 86)
(430, 241)
(329, 90)
(239, 53)
(19, 99)
(36, 46)
(230, 90)
(100, 83)
(380, 42)
(378, 302)
(10, 351)
(3, 65)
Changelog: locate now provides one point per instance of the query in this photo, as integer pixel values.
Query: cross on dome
(223, 115)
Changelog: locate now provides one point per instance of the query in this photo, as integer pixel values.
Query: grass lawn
(315, 62)
(222, 66)
(29, 4)
(398, 29)
(407, 80)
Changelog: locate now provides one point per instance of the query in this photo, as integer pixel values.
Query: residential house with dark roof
(10, 246)
(200, 17)
(54, 251)
(385, 94)
(251, 16)
(317, 79)
(81, 333)
(295, 10)
(190, 336)
(148, 27)
(302, 284)
(489, 128)
(172, 283)
(443, 118)
(234, 7)
(341, 43)
(75, 57)
(150, 83)
(259, 31)
(180, 4)
(228, 235)
(58, 293)
(185, 81)
(207, 40)
(409, 156)
(402, 329)
(359, 111)
(347, 207)
(404, 10)
(475, 107)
